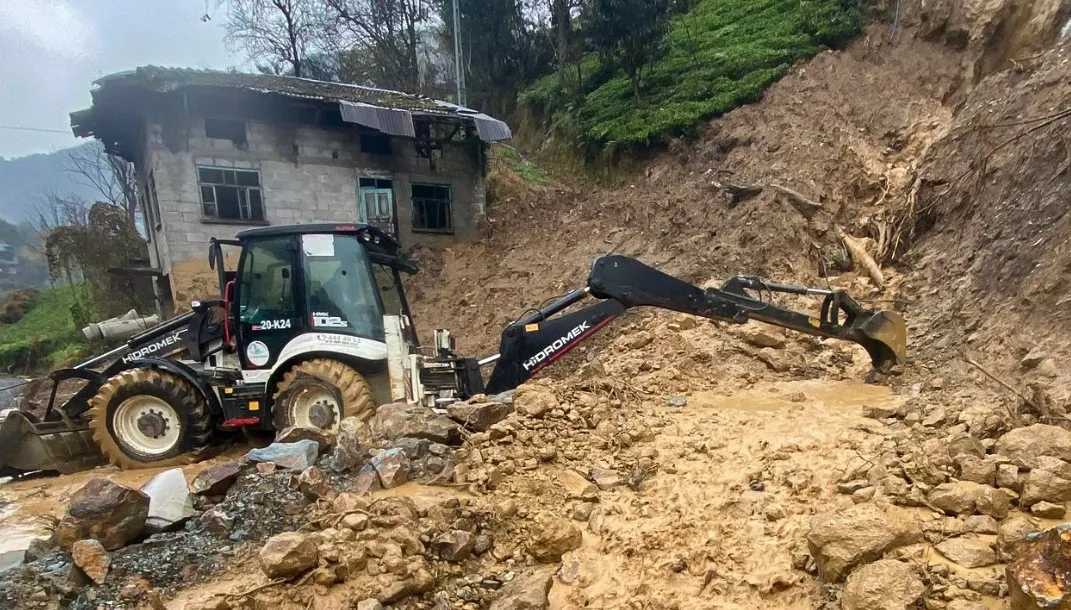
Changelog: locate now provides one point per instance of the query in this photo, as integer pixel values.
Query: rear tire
(295, 395)
(147, 418)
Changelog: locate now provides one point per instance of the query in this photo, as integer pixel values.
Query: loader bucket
(28, 445)
(884, 336)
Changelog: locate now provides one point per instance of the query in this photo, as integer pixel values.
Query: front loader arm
(620, 283)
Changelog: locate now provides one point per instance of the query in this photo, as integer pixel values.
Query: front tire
(309, 393)
(147, 418)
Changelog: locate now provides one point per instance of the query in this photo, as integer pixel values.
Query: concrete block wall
(307, 175)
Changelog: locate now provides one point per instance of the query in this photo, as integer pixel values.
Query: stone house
(219, 152)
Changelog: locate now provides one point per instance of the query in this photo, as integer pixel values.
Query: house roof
(388, 111)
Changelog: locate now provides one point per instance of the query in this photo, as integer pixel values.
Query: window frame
(452, 229)
(241, 188)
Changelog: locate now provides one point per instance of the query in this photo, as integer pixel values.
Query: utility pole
(457, 55)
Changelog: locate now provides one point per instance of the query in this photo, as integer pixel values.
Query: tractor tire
(180, 424)
(332, 376)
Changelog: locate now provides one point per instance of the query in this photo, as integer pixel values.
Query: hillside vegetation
(45, 336)
(719, 55)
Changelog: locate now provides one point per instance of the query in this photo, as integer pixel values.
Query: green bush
(46, 336)
(719, 55)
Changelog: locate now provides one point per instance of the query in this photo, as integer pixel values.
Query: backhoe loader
(313, 327)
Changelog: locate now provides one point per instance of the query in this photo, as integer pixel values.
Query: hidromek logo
(557, 345)
(152, 348)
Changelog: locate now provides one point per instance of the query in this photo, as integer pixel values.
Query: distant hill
(24, 179)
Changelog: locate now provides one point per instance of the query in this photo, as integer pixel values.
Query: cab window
(341, 292)
(266, 292)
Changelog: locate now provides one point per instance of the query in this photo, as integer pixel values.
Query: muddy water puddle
(785, 396)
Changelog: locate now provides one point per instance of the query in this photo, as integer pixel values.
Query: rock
(479, 417)
(606, 479)
(217, 521)
(367, 480)
(963, 604)
(1045, 485)
(967, 552)
(414, 448)
(369, 604)
(38, 548)
(677, 401)
(313, 483)
(965, 445)
(535, 400)
(1048, 510)
(399, 420)
(845, 538)
(1048, 368)
(548, 453)
(1012, 533)
(170, 503)
(527, 592)
(865, 494)
(92, 558)
(553, 538)
(1023, 446)
(294, 456)
(764, 337)
(353, 434)
(980, 524)
(1008, 477)
(392, 466)
(883, 585)
(1033, 358)
(879, 411)
(287, 555)
(582, 511)
(964, 497)
(977, 470)
(773, 359)
(455, 545)
(294, 434)
(1040, 575)
(850, 487)
(105, 511)
(266, 467)
(216, 479)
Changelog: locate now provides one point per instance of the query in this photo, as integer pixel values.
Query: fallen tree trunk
(859, 254)
(806, 207)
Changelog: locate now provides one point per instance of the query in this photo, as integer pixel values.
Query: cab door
(266, 300)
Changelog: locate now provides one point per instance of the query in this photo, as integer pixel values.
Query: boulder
(217, 521)
(104, 511)
(1011, 535)
(367, 480)
(1008, 477)
(967, 552)
(977, 470)
(606, 478)
(1043, 484)
(398, 420)
(858, 534)
(763, 337)
(964, 444)
(369, 604)
(455, 545)
(553, 538)
(980, 524)
(216, 479)
(535, 400)
(170, 502)
(312, 482)
(965, 497)
(294, 434)
(1048, 510)
(883, 585)
(1033, 358)
(526, 592)
(392, 466)
(353, 436)
(1023, 446)
(1040, 574)
(773, 359)
(478, 416)
(287, 555)
(92, 558)
(294, 456)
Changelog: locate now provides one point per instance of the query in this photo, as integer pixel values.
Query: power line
(41, 129)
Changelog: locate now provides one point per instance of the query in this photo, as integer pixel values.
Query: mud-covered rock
(1040, 575)
(964, 444)
(1012, 533)
(976, 469)
(313, 483)
(288, 554)
(216, 479)
(367, 480)
(535, 400)
(1050, 481)
(553, 538)
(295, 456)
(966, 497)
(353, 436)
(861, 533)
(170, 503)
(455, 545)
(369, 604)
(294, 434)
(1008, 477)
(763, 337)
(1048, 510)
(967, 552)
(478, 416)
(92, 558)
(980, 524)
(1023, 446)
(526, 592)
(392, 466)
(104, 511)
(883, 585)
(606, 478)
(400, 420)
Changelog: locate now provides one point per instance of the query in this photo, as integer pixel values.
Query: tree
(278, 35)
(111, 176)
(627, 32)
(380, 42)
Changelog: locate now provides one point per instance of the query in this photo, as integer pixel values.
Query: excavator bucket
(884, 336)
(29, 445)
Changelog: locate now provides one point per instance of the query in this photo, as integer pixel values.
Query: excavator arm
(619, 283)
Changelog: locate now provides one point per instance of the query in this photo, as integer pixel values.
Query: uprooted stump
(1040, 574)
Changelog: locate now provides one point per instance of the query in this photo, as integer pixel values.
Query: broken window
(224, 129)
(432, 208)
(231, 194)
(157, 220)
(375, 143)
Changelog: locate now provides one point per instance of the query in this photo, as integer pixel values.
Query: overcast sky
(52, 50)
